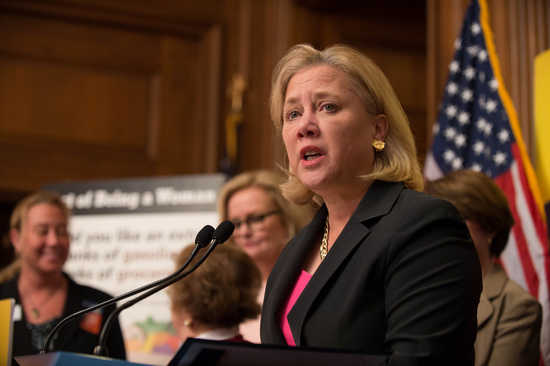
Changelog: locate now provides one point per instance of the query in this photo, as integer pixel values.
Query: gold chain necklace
(35, 309)
(323, 249)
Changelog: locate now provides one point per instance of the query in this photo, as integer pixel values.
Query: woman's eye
(329, 107)
(292, 115)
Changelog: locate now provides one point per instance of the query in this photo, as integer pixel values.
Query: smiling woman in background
(382, 268)
(264, 222)
(43, 292)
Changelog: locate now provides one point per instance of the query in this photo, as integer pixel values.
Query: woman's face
(327, 130)
(262, 239)
(43, 241)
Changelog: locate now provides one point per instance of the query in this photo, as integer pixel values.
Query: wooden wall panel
(101, 88)
(88, 91)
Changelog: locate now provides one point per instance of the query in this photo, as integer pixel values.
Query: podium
(71, 359)
(201, 352)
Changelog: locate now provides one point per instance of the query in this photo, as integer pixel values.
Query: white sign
(125, 233)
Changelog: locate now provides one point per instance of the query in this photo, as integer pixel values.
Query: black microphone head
(204, 236)
(223, 231)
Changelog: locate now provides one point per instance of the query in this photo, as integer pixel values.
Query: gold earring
(187, 323)
(378, 145)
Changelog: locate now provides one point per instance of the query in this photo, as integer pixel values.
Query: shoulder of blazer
(405, 207)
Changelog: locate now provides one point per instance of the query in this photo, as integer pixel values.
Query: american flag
(477, 129)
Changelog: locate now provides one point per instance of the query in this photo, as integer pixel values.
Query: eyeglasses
(253, 221)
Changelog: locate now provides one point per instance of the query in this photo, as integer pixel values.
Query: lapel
(286, 271)
(67, 334)
(493, 285)
(377, 202)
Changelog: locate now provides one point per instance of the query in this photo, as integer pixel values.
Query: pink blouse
(301, 283)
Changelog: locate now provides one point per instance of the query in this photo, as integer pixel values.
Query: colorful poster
(125, 234)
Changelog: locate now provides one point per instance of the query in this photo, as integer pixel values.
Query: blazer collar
(285, 273)
(493, 285)
(494, 282)
(377, 202)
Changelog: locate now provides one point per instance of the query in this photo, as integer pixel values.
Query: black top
(78, 335)
(403, 279)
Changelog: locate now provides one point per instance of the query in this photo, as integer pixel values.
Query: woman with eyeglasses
(264, 222)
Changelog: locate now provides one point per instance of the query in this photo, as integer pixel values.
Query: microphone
(203, 238)
(221, 234)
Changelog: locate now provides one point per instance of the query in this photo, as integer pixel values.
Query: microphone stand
(222, 233)
(100, 349)
(206, 231)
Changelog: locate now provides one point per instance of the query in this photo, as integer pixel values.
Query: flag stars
(451, 111)
(491, 105)
(460, 140)
(473, 50)
(454, 66)
(503, 136)
(467, 95)
(482, 55)
(482, 101)
(488, 129)
(493, 84)
(476, 167)
(475, 28)
(464, 118)
(469, 73)
(452, 88)
(457, 163)
(481, 123)
(499, 158)
(449, 155)
(450, 133)
(478, 147)
(458, 43)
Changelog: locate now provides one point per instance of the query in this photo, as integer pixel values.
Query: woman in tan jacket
(508, 317)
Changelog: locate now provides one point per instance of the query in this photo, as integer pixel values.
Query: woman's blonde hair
(22, 208)
(398, 162)
(294, 216)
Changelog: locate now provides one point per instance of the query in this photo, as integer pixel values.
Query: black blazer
(403, 279)
(72, 337)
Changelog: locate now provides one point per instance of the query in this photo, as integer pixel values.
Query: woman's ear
(380, 127)
(15, 237)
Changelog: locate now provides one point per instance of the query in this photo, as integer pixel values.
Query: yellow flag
(542, 123)
(6, 330)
